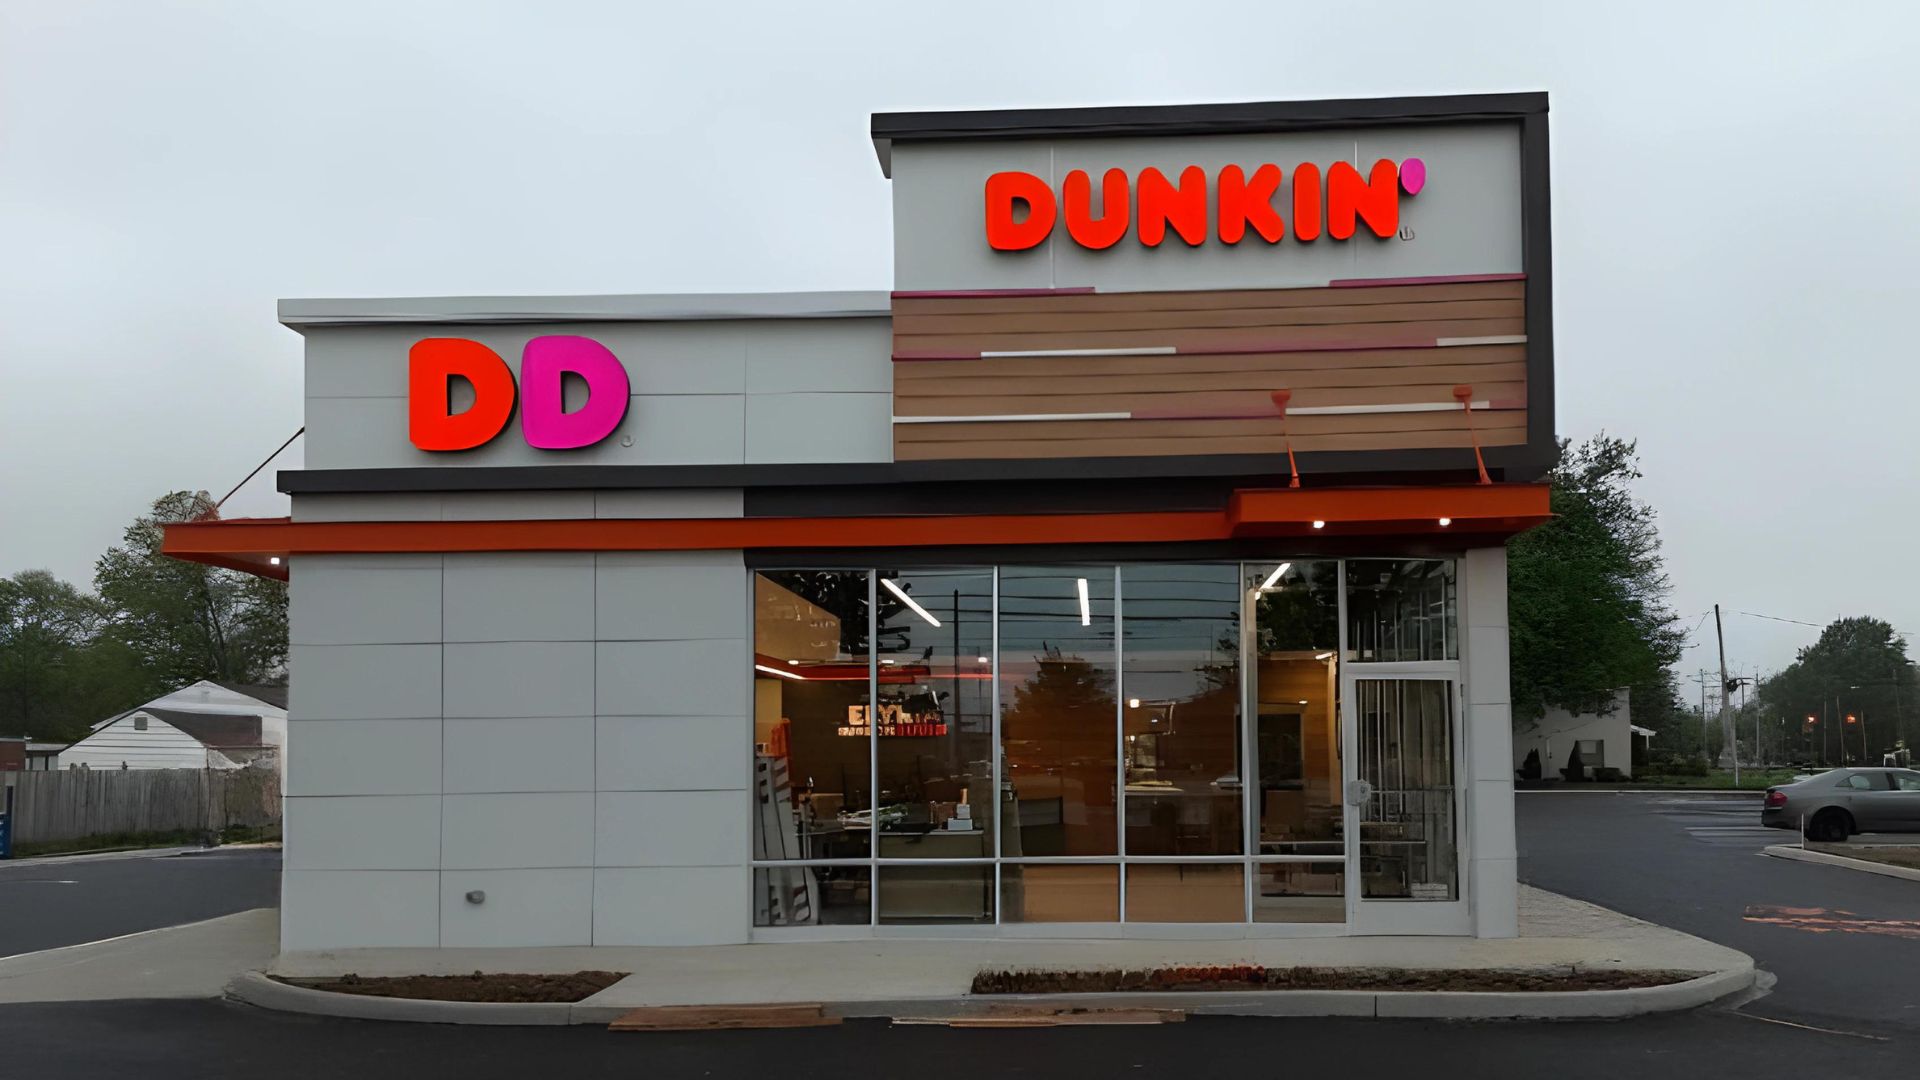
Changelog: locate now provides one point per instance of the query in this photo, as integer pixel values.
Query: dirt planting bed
(1242, 978)
(479, 986)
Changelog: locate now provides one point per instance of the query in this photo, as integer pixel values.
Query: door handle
(1358, 792)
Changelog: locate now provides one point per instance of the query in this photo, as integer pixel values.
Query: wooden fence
(74, 803)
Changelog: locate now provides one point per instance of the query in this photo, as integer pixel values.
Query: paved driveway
(1844, 944)
(48, 903)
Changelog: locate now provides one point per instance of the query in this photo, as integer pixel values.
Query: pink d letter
(544, 421)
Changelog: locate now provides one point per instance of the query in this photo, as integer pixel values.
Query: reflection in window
(924, 895)
(812, 766)
(1296, 706)
(1180, 676)
(935, 715)
(1297, 892)
(1401, 610)
(1057, 718)
(812, 896)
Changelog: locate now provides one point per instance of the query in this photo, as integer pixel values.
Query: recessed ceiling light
(983, 659)
(273, 560)
(796, 663)
(1444, 522)
(1319, 524)
(1133, 703)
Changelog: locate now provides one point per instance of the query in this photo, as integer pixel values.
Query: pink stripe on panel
(963, 294)
(1438, 279)
(925, 354)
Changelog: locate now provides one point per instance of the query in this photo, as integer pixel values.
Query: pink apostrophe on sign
(544, 421)
(1413, 175)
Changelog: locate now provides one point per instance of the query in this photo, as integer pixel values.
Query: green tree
(1858, 667)
(1587, 593)
(187, 621)
(57, 673)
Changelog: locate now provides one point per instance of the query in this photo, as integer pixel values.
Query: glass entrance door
(1403, 785)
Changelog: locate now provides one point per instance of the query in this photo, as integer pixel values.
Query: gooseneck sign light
(433, 364)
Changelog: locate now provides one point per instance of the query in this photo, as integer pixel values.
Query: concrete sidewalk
(898, 976)
(894, 977)
(192, 961)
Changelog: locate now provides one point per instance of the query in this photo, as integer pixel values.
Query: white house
(1605, 739)
(204, 725)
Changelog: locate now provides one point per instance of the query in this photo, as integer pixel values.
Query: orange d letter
(1006, 234)
(432, 365)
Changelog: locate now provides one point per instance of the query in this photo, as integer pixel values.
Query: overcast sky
(1735, 214)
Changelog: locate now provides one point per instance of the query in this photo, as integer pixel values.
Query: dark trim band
(1228, 118)
(1318, 468)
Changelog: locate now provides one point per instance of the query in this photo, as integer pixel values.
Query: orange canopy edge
(264, 546)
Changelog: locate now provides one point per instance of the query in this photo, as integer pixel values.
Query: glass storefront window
(935, 715)
(1296, 701)
(1186, 892)
(1067, 892)
(1058, 712)
(1300, 892)
(812, 896)
(936, 895)
(1185, 714)
(813, 770)
(1180, 722)
(1401, 610)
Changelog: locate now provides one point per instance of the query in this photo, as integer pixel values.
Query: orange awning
(262, 545)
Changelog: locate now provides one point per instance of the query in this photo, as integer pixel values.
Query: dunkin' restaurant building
(1135, 567)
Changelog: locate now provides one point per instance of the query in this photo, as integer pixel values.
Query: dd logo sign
(433, 364)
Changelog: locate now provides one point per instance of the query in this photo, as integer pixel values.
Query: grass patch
(137, 841)
(1889, 854)
(1717, 779)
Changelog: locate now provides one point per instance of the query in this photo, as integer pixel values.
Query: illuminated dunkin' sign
(1023, 210)
(434, 364)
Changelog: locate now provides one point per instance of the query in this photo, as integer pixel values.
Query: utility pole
(1705, 753)
(1732, 749)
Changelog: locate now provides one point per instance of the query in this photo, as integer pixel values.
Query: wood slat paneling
(1449, 375)
(1198, 339)
(932, 373)
(1200, 381)
(1486, 423)
(1003, 448)
(1204, 300)
(913, 327)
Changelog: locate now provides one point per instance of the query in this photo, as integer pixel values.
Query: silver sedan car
(1841, 802)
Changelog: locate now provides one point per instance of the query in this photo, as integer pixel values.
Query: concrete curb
(1787, 851)
(255, 988)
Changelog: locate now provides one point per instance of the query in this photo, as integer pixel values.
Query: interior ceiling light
(1444, 522)
(983, 660)
(1273, 578)
(1086, 608)
(273, 560)
(795, 663)
(777, 671)
(910, 602)
(1319, 524)
(1133, 703)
